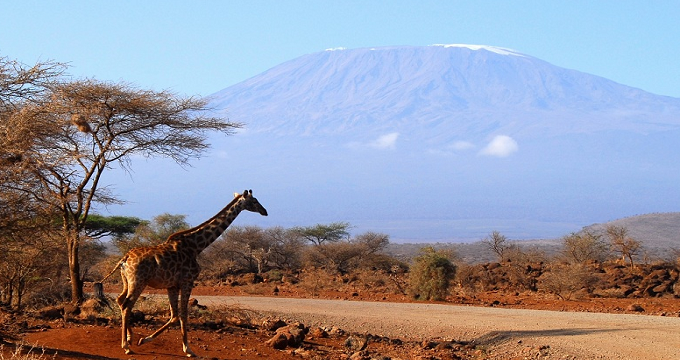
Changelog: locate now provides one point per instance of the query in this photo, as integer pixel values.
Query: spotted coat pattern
(172, 265)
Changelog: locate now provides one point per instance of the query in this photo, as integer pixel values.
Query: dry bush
(523, 267)
(473, 278)
(565, 280)
(382, 262)
(258, 289)
(377, 281)
(153, 305)
(612, 293)
(48, 293)
(337, 256)
(519, 272)
(316, 280)
(220, 315)
(584, 246)
(32, 263)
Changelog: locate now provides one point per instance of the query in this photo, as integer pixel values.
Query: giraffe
(172, 265)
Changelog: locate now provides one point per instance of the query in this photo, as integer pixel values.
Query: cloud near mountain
(385, 142)
(500, 146)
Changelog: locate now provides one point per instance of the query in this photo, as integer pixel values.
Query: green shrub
(430, 275)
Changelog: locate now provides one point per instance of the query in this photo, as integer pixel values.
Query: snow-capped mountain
(439, 142)
(441, 93)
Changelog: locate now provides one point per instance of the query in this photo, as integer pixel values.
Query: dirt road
(568, 334)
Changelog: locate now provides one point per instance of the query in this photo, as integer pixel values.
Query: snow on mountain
(436, 143)
(495, 49)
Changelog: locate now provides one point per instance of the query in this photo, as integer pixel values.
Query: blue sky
(200, 47)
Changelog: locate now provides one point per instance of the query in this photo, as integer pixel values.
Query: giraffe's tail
(99, 286)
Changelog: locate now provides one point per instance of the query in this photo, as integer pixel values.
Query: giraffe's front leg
(173, 295)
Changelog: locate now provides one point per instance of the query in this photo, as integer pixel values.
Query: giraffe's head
(251, 203)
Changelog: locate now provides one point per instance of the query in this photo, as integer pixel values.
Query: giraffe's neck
(200, 237)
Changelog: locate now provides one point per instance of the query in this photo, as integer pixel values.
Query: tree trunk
(74, 269)
(8, 293)
(21, 287)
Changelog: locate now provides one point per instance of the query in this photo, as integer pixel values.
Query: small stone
(356, 343)
(279, 341)
(635, 308)
(318, 333)
(273, 324)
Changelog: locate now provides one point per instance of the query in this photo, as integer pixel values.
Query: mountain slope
(461, 90)
(655, 231)
(436, 143)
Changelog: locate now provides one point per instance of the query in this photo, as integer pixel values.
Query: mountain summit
(442, 142)
(441, 93)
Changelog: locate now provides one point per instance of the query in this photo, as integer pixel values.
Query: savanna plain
(347, 300)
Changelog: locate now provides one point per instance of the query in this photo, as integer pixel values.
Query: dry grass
(318, 280)
(158, 308)
(24, 352)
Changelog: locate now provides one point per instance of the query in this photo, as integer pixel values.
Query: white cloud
(500, 146)
(387, 141)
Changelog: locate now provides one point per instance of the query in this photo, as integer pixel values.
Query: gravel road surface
(569, 335)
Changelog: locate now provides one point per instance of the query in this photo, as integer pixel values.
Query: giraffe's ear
(236, 194)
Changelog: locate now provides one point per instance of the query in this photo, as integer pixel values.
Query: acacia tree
(20, 85)
(498, 243)
(245, 246)
(622, 243)
(346, 255)
(25, 221)
(83, 128)
(99, 226)
(322, 233)
(286, 247)
(584, 246)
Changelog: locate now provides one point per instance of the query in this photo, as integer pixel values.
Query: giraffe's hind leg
(120, 300)
(126, 300)
(183, 317)
(173, 295)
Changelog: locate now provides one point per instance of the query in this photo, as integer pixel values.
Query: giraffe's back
(161, 266)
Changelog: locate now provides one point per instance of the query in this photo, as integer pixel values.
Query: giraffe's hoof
(189, 353)
(128, 352)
